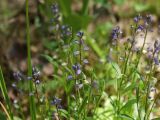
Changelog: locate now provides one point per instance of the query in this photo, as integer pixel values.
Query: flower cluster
(36, 75)
(137, 18)
(64, 31)
(153, 53)
(21, 77)
(77, 69)
(56, 102)
(56, 14)
(116, 33)
(146, 23)
(78, 52)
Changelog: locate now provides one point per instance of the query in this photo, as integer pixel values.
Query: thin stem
(149, 77)
(130, 51)
(31, 97)
(140, 54)
(152, 107)
(80, 48)
(23, 117)
(58, 112)
(5, 110)
(137, 98)
(37, 93)
(5, 94)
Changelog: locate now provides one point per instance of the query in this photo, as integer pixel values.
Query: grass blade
(31, 88)
(85, 7)
(5, 94)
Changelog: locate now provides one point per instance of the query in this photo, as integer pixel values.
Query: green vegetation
(81, 60)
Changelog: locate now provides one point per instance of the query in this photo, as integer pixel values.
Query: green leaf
(17, 118)
(47, 57)
(141, 7)
(129, 88)
(64, 113)
(95, 47)
(156, 118)
(104, 28)
(65, 7)
(102, 2)
(85, 7)
(119, 2)
(126, 117)
(29, 64)
(51, 45)
(117, 69)
(137, 94)
(77, 21)
(129, 104)
(2, 116)
(5, 94)
(83, 104)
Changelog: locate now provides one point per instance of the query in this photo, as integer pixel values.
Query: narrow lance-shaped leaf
(31, 97)
(5, 94)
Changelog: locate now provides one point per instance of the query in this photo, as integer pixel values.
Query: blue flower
(35, 73)
(56, 101)
(18, 76)
(55, 8)
(77, 69)
(156, 60)
(116, 32)
(70, 77)
(65, 31)
(148, 20)
(137, 18)
(140, 28)
(80, 34)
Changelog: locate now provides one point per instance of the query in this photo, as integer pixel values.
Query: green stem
(85, 7)
(140, 54)
(151, 108)
(130, 51)
(137, 99)
(147, 84)
(5, 95)
(80, 50)
(31, 88)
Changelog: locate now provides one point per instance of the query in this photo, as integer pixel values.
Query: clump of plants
(85, 95)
